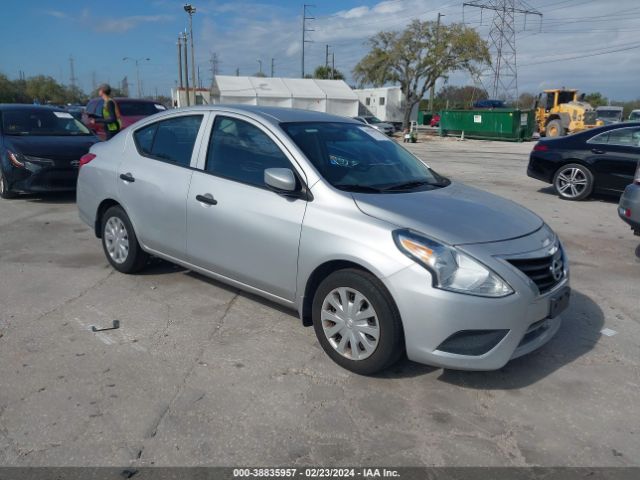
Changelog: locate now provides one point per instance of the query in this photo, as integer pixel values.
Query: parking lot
(201, 374)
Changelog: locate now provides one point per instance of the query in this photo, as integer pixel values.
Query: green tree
(8, 90)
(324, 72)
(418, 56)
(596, 99)
(45, 89)
(451, 96)
(526, 100)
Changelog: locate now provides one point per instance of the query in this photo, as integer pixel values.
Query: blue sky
(39, 36)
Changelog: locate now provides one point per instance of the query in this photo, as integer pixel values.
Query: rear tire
(4, 188)
(573, 182)
(366, 336)
(120, 243)
(554, 129)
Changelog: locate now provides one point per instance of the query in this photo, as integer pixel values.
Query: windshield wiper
(408, 185)
(357, 188)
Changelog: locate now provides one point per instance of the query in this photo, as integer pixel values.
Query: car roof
(28, 106)
(273, 115)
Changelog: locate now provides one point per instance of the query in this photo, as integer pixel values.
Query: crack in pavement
(153, 431)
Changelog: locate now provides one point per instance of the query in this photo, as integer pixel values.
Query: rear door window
(170, 140)
(623, 137)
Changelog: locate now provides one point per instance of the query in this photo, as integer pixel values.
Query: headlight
(451, 269)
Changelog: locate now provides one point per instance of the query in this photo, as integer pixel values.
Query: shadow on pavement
(52, 197)
(577, 336)
(595, 197)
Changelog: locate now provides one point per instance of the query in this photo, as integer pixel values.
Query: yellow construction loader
(560, 112)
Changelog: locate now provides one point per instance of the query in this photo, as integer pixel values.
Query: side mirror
(280, 179)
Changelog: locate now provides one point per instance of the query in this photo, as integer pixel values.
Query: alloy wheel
(571, 182)
(350, 323)
(116, 240)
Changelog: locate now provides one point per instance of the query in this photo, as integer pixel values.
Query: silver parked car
(331, 218)
(629, 205)
(376, 123)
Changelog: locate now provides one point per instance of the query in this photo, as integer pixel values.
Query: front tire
(357, 322)
(4, 188)
(120, 243)
(573, 182)
(554, 129)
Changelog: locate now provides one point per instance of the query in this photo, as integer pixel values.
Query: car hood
(456, 214)
(56, 148)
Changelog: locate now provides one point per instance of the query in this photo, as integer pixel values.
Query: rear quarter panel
(97, 180)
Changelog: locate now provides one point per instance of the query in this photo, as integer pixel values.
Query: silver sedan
(331, 218)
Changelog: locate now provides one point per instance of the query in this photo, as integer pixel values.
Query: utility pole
(502, 43)
(305, 30)
(237, 72)
(180, 84)
(260, 63)
(186, 66)
(433, 87)
(272, 66)
(333, 64)
(326, 58)
(199, 79)
(136, 61)
(190, 9)
(73, 78)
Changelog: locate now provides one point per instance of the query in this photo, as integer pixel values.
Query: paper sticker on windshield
(375, 134)
(63, 115)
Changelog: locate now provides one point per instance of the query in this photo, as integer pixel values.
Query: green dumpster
(424, 117)
(507, 124)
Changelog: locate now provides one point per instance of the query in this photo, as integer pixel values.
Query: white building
(386, 103)
(331, 96)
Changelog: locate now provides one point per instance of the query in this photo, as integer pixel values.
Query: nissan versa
(332, 218)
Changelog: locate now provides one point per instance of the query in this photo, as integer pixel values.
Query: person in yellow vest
(110, 112)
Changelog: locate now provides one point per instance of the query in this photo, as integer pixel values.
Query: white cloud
(124, 24)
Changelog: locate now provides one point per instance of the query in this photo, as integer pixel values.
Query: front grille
(545, 272)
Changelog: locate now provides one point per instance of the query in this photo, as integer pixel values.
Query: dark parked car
(599, 160)
(40, 149)
(629, 206)
(131, 110)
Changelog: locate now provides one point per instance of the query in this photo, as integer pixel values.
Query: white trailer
(386, 103)
(331, 96)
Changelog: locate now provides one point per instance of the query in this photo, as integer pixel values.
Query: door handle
(127, 177)
(597, 151)
(207, 198)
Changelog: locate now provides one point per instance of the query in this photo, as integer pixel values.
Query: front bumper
(431, 316)
(53, 179)
(630, 202)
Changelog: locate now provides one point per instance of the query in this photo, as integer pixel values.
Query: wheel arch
(320, 273)
(102, 208)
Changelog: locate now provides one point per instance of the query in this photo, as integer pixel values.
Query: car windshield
(41, 122)
(358, 158)
(139, 109)
(613, 114)
(634, 116)
(373, 120)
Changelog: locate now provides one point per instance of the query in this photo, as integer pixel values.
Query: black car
(601, 160)
(40, 149)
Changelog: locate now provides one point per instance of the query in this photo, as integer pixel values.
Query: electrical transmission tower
(72, 78)
(503, 83)
(305, 29)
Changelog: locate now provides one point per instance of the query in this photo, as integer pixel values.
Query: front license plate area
(559, 302)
